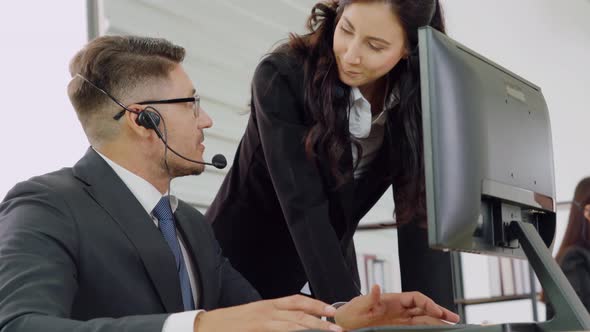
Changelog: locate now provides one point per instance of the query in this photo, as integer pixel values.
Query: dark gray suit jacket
(79, 252)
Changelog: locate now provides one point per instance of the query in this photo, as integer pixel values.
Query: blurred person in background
(573, 255)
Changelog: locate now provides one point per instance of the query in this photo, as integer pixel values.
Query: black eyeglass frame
(194, 99)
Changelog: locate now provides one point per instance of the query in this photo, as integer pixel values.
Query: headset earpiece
(148, 119)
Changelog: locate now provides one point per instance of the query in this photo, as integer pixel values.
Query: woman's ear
(406, 53)
(587, 212)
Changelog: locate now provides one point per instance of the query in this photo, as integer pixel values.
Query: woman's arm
(297, 181)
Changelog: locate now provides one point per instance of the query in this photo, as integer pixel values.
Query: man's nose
(204, 119)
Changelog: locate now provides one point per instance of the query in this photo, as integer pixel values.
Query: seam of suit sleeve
(57, 199)
(269, 84)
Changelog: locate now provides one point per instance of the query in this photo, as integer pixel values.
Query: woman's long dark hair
(325, 98)
(577, 232)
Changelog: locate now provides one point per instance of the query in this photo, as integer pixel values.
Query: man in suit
(102, 246)
(87, 248)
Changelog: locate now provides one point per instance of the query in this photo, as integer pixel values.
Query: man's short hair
(120, 65)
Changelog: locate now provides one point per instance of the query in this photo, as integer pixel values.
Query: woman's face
(368, 42)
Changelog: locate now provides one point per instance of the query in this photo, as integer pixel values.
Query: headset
(150, 118)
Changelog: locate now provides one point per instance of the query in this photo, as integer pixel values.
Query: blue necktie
(163, 212)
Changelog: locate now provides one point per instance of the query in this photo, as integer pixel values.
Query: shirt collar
(357, 95)
(360, 118)
(392, 99)
(147, 195)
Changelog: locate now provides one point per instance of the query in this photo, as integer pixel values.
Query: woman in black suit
(573, 255)
(335, 120)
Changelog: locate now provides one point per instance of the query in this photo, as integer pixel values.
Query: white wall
(40, 131)
(548, 43)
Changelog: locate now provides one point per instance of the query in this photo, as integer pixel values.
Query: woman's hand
(377, 309)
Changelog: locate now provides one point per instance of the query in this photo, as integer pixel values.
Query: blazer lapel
(345, 192)
(112, 194)
(342, 196)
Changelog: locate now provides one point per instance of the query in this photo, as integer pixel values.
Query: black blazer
(79, 252)
(275, 216)
(575, 264)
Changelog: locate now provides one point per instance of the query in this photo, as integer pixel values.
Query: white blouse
(367, 129)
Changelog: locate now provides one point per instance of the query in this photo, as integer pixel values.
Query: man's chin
(192, 168)
(198, 171)
(187, 171)
(195, 170)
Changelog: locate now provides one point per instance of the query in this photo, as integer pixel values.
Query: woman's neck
(374, 92)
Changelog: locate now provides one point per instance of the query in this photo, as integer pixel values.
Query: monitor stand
(570, 313)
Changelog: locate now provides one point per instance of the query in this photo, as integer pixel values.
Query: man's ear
(131, 120)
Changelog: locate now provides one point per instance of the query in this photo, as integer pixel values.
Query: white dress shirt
(148, 196)
(367, 129)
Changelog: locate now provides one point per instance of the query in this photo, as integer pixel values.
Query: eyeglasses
(196, 100)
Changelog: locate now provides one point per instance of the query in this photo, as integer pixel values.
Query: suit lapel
(107, 189)
(345, 193)
(342, 196)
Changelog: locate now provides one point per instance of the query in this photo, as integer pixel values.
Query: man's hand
(291, 313)
(376, 309)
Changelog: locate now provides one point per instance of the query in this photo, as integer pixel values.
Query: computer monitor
(487, 141)
(488, 162)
